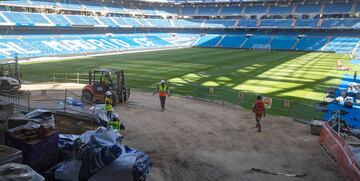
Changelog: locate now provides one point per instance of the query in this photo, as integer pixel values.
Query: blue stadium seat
(107, 21)
(208, 11)
(143, 22)
(121, 22)
(208, 41)
(113, 8)
(280, 10)
(148, 10)
(188, 11)
(307, 8)
(37, 46)
(231, 10)
(276, 22)
(168, 10)
(2, 20)
(342, 44)
(310, 43)
(71, 5)
(247, 23)
(283, 42)
(44, 3)
(18, 3)
(160, 23)
(188, 23)
(94, 6)
(58, 20)
(219, 23)
(337, 8)
(307, 23)
(25, 19)
(340, 23)
(83, 20)
(232, 41)
(255, 9)
(132, 22)
(256, 40)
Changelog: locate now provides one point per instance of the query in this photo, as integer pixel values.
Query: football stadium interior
(301, 57)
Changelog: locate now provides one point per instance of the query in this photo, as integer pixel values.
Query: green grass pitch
(297, 76)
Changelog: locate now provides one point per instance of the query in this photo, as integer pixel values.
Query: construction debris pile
(33, 142)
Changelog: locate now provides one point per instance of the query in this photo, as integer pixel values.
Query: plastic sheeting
(72, 103)
(39, 117)
(91, 163)
(14, 171)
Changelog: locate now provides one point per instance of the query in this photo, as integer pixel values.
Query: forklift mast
(90, 75)
(120, 80)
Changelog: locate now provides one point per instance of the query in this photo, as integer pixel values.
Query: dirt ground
(198, 140)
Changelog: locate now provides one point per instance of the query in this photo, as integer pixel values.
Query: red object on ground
(337, 147)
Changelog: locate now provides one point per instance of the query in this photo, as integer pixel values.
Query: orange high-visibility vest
(259, 107)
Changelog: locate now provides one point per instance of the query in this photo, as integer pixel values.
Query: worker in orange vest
(163, 91)
(259, 111)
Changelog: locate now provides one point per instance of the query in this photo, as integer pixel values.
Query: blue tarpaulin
(355, 62)
(353, 116)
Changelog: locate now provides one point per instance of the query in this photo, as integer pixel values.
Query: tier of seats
(198, 10)
(40, 19)
(281, 42)
(50, 45)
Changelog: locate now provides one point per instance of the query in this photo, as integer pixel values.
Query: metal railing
(53, 100)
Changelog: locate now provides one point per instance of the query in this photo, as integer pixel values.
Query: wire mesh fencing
(300, 111)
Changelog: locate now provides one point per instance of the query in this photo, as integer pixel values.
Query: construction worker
(108, 105)
(355, 75)
(106, 81)
(116, 124)
(259, 111)
(163, 91)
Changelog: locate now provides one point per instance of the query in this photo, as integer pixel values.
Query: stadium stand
(307, 9)
(232, 41)
(337, 8)
(188, 11)
(23, 19)
(255, 10)
(280, 10)
(82, 20)
(283, 42)
(310, 43)
(231, 10)
(208, 11)
(342, 45)
(257, 41)
(276, 23)
(310, 23)
(36, 46)
(247, 23)
(208, 41)
(268, 19)
(340, 23)
(219, 23)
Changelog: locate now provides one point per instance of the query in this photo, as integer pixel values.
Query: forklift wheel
(86, 97)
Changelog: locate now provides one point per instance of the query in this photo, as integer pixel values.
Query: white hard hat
(162, 81)
(115, 115)
(108, 93)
